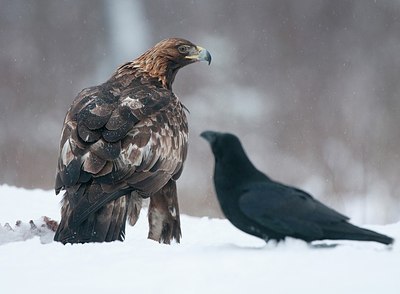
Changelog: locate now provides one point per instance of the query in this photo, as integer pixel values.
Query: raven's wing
(286, 210)
(113, 142)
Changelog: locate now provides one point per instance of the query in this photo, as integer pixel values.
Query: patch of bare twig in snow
(44, 228)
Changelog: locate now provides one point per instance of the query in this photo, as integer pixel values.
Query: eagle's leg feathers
(164, 220)
(134, 207)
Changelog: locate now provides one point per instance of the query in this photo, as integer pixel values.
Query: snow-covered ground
(213, 257)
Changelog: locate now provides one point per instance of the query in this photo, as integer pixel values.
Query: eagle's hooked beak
(200, 54)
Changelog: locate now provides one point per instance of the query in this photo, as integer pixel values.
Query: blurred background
(311, 87)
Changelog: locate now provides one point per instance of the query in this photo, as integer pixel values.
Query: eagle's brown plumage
(122, 141)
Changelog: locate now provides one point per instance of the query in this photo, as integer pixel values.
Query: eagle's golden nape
(123, 141)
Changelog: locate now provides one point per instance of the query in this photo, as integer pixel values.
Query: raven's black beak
(210, 136)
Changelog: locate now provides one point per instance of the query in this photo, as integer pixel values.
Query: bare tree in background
(310, 86)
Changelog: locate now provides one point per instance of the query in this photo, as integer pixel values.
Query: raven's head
(222, 143)
(232, 166)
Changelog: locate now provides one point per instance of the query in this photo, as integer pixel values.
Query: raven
(259, 206)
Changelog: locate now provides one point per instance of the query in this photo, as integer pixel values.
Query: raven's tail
(347, 231)
(105, 224)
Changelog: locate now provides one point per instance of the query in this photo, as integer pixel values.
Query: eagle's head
(164, 59)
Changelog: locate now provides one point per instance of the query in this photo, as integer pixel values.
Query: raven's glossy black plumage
(267, 209)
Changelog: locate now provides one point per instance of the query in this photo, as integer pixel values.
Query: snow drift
(213, 257)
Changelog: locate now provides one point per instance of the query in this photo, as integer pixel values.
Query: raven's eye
(183, 49)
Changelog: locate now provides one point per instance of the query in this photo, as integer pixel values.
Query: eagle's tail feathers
(104, 225)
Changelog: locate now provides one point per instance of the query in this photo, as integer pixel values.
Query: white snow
(213, 257)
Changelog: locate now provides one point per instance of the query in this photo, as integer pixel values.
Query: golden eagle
(122, 141)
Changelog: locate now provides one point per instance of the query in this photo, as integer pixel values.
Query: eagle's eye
(183, 49)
